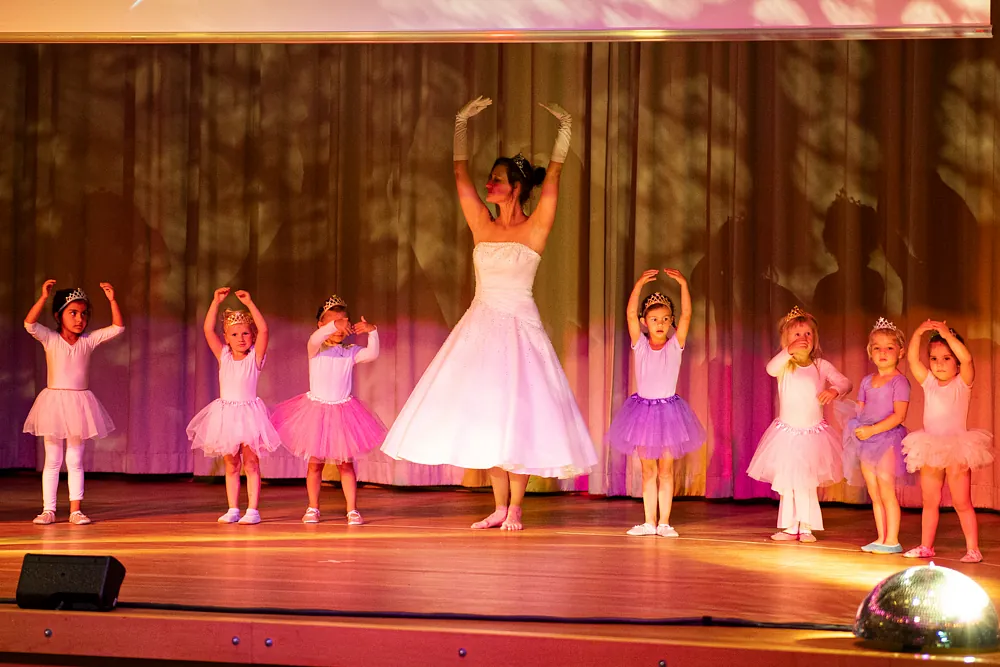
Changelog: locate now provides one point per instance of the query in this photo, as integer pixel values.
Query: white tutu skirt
(971, 449)
(331, 432)
(792, 458)
(68, 413)
(494, 396)
(223, 426)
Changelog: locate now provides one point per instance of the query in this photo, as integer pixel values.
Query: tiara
(522, 164)
(232, 317)
(882, 324)
(655, 299)
(794, 313)
(333, 302)
(843, 196)
(76, 295)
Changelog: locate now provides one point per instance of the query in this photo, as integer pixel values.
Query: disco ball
(926, 608)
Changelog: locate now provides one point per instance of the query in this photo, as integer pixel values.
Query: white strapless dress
(495, 395)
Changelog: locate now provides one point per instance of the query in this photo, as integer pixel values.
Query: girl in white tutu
(66, 410)
(328, 424)
(873, 453)
(799, 451)
(495, 397)
(236, 425)
(945, 448)
(655, 423)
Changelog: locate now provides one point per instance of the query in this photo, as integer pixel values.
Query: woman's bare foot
(513, 520)
(493, 520)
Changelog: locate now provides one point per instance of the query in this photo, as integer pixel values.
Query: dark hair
(59, 304)
(647, 305)
(520, 172)
(938, 338)
(336, 309)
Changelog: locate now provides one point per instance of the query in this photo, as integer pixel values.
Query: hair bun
(537, 176)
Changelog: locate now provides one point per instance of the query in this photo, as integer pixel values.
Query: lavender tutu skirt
(223, 427)
(791, 458)
(969, 449)
(871, 453)
(331, 432)
(652, 427)
(67, 413)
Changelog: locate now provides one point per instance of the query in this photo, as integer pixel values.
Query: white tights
(800, 509)
(53, 463)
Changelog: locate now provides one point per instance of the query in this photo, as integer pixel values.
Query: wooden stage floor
(416, 555)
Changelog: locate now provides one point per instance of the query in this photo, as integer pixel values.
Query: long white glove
(561, 148)
(461, 125)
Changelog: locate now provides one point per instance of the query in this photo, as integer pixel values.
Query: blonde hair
(790, 320)
(231, 318)
(893, 333)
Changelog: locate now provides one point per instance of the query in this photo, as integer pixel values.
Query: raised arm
(116, 313)
(370, 352)
(632, 309)
(260, 345)
(315, 343)
(967, 368)
(684, 319)
(913, 353)
(212, 319)
(544, 215)
(36, 310)
(475, 211)
(778, 362)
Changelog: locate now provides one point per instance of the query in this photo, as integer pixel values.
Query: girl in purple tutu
(66, 410)
(236, 425)
(655, 423)
(328, 424)
(946, 449)
(799, 451)
(873, 453)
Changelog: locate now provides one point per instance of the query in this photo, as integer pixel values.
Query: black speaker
(81, 583)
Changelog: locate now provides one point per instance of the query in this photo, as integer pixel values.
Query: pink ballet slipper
(972, 556)
(493, 520)
(513, 520)
(920, 552)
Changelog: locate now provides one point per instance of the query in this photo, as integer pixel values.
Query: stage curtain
(856, 179)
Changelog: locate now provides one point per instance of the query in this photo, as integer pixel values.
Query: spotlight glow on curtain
(480, 20)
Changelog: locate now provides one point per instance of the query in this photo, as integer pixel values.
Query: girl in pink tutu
(799, 451)
(945, 448)
(236, 425)
(655, 423)
(873, 454)
(328, 424)
(66, 410)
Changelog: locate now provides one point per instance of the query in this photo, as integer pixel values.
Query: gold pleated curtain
(855, 179)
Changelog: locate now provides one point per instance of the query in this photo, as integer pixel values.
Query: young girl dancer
(873, 453)
(655, 422)
(946, 448)
(799, 450)
(66, 410)
(328, 424)
(236, 425)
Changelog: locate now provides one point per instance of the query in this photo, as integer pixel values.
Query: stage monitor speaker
(79, 583)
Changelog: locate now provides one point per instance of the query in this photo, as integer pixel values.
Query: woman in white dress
(495, 396)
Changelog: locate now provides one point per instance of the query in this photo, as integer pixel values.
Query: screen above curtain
(481, 21)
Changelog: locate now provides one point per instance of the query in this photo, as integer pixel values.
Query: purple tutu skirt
(331, 432)
(872, 451)
(790, 458)
(652, 427)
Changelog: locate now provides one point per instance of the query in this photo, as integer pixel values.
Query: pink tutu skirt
(331, 432)
(652, 427)
(68, 413)
(223, 426)
(971, 449)
(790, 458)
(872, 451)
